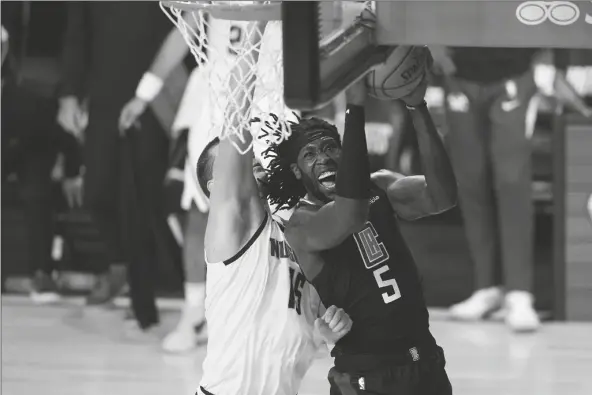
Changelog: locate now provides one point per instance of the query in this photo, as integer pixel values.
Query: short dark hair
(205, 165)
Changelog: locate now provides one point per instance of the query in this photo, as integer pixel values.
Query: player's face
(316, 167)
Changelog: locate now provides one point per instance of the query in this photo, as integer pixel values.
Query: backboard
(325, 50)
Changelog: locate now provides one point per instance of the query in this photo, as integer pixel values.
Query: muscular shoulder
(301, 213)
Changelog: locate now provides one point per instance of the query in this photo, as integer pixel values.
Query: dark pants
(31, 141)
(424, 376)
(490, 151)
(124, 192)
(37, 194)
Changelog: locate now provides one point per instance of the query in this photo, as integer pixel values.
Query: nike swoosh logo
(511, 105)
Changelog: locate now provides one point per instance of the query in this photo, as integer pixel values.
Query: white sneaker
(190, 331)
(45, 297)
(185, 339)
(44, 289)
(480, 304)
(521, 315)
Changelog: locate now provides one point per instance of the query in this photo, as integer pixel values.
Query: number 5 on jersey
(388, 298)
(374, 253)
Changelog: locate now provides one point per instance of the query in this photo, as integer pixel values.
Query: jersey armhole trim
(255, 236)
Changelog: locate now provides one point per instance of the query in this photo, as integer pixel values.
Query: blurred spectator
(191, 136)
(572, 87)
(31, 143)
(4, 45)
(107, 47)
(491, 114)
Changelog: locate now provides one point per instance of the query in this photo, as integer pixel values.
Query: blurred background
(94, 212)
(36, 49)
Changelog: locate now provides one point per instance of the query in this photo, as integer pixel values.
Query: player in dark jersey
(345, 233)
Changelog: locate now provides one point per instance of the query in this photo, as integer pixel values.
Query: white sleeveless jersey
(260, 313)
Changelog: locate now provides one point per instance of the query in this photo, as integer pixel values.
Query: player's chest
(367, 264)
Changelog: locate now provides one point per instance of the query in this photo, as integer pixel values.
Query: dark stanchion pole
(561, 60)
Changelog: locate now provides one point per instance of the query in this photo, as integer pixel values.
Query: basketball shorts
(419, 373)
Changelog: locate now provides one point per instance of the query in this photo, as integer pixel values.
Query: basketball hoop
(232, 10)
(218, 45)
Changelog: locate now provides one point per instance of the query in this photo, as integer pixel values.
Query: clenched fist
(333, 325)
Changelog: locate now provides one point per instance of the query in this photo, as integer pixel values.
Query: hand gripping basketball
(403, 72)
(416, 97)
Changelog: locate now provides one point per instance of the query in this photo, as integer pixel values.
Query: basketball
(400, 74)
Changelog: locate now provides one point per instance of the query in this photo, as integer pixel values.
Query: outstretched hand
(130, 113)
(333, 325)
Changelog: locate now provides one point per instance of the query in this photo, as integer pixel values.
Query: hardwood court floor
(70, 350)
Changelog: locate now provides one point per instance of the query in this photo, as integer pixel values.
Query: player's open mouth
(327, 179)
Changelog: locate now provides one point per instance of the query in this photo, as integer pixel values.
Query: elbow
(446, 199)
(447, 207)
(444, 204)
(449, 202)
(451, 199)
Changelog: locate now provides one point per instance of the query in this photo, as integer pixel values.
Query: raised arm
(314, 228)
(236, 209)
(172, 51)
(420, 196)
(169, 56)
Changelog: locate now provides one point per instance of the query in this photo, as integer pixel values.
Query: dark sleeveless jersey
(373, 277)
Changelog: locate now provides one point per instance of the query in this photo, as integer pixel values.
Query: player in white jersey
(261, 312)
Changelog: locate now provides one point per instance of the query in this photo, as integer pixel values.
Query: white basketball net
(218, 45)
